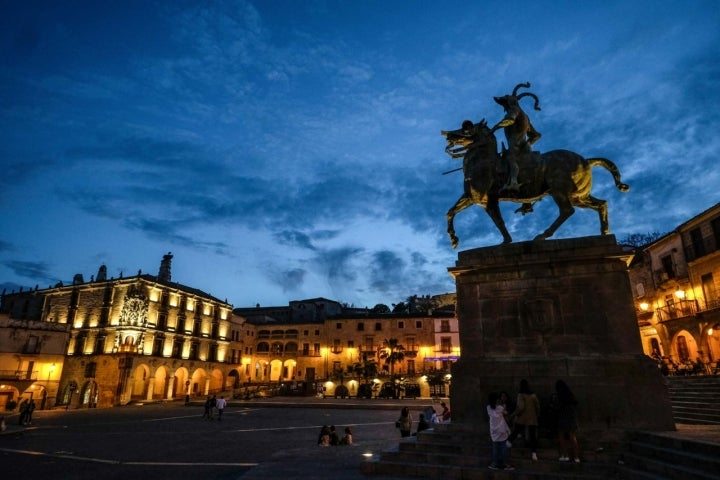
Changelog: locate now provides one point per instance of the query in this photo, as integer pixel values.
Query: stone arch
(180, 383)
(89, 394)
(712, 337)
(275, 370)
(140, 380)
(289, 370)
(216, 381)
(160, 383)
(684, 346)
(198, 382)
(233, 379)
(9, 393)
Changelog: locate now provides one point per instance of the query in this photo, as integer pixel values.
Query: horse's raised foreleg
(493, 209)
(566, 210)
(462, 203)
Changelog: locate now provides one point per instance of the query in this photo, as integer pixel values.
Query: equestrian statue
(562, 174)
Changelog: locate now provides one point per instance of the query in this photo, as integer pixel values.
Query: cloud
(32, 270)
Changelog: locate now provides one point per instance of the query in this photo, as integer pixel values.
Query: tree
(638, 240)
(380, 308)
(392, 352)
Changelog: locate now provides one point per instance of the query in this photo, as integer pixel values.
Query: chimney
(164, 273)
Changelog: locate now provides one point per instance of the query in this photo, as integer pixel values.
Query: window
(338, 325)
(351, 344)
(90, 368)
(99, 344)
(445, 326)
(401, 324)
(317, 333)
(411, 367)
(32, 345)
(667, 266)
(378, 326)
(697, 243)
(418, 323)
(360, 326)
(446, 345)
(715, 224)
(709, 291)
(316, 349)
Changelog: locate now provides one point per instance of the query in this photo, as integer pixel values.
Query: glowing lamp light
(680, 294)
(710, 332)
(644, 306)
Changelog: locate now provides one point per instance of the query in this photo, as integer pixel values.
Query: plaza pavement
(344, 462)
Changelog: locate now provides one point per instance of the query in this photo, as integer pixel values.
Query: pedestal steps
(458, 454)
(695, 400)
(660, 457)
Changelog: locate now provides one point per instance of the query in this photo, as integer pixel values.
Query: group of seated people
(686, 367)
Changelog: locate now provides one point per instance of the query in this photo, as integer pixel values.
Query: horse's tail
(612, 168)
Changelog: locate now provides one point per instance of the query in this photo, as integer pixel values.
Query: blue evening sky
(284, 150)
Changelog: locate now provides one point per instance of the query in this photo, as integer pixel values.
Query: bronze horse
(564, 175)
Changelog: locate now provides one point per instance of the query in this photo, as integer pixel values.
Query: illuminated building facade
(319, 344)
(676, 285)
(136, 338)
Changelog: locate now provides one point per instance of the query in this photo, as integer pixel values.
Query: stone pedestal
(557, 309)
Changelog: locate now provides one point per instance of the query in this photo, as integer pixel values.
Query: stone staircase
(455, 452)
(650, 456)
(695, 399)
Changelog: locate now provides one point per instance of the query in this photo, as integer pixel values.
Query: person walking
(527, 413)
(206, 411)
(567, 424)
(499, 432)
(220, 404)
(404, 423)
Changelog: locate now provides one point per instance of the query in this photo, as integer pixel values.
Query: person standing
(499, 432)
(220, 404)
(445, 414)
(23, 411)
(404, 423)
(422, 424)
(567, 424)
(30, 410)
(527, 413)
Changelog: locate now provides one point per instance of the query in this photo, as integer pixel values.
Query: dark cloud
(386, 271)
(337, 264)
(33, 270)
(291, 281)
(294, 238)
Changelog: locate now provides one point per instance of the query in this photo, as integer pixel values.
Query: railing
(18, 375)
(681, 308)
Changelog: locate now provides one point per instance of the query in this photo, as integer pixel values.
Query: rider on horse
(519, 132)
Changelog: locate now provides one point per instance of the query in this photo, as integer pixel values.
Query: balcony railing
(680, 309)
(17, 375)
